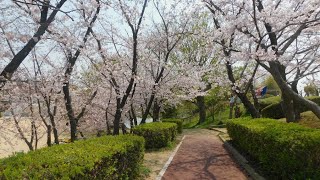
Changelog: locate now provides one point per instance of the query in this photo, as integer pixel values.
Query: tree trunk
(202, 109)
(23, 53)
(231, 111)
(131, 123)
(296, 105)
(294, 96)
(288, 107)
(243, 97)
(123, 128)
(255, 99)
(116, 121)
(70, 112)
(156, 111)
(55, 131)
(108, 129)
(134, 116)
(146, 112)
(248, 105)
(49, 135)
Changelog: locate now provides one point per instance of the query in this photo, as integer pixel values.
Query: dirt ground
(10, 140)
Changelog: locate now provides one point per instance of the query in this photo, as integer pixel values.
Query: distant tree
(272, 86)
(311, 90)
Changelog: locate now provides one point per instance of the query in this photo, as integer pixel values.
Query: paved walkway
(203, 157)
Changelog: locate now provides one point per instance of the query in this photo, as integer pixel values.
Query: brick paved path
(203, 157)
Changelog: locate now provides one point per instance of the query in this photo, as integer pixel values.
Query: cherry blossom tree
(272, 28)
(41, 14)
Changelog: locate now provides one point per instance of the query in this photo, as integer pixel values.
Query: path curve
(203, 157)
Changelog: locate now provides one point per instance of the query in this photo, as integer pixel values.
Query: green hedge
(268, 101)
(156, 134)
(274, 110)
(284, 151)
(108, 157)
(179, 123)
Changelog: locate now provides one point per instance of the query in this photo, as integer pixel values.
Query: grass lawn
(309, 119)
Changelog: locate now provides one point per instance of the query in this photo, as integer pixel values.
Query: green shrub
(268, 101)
(284, 151)
(108, 157)
(156, 134)
(273, 111)
(179, 123)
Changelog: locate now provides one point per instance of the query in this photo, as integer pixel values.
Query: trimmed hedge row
(179, 123)
(156, 134)
(275, 111)
(263, 103)
(109, 157)
(285, 151)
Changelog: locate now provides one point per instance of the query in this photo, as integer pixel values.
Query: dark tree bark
(24, 52)
(255, 99)
(123, 128)
(49, 130)
(290, 97)
(156, 111)
(21, 133)
(296, 105)
(243, 97)
(70, 112)
(121, 102)
(134, 116)
(290, 93)
(202, 109)
(117, 117)
(66, 86)
(169, 46)
(52, 120)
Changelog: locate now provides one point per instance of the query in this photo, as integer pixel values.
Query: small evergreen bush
(108, 157)
(273, 111)
(179, 123)
(284, 151)
(268, 101)
(156, 134)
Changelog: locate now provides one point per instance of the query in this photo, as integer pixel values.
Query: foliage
(274, 110)
(107, 157)
(308, 119)
(268, 101)
(272, 86)
(311, 90)
(185, 110)
(191, 123)
(285, 151)
(169, 112)
(179, 123)
(156, 134)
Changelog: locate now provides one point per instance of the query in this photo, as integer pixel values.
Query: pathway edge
(241, 160)
(165, 167)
